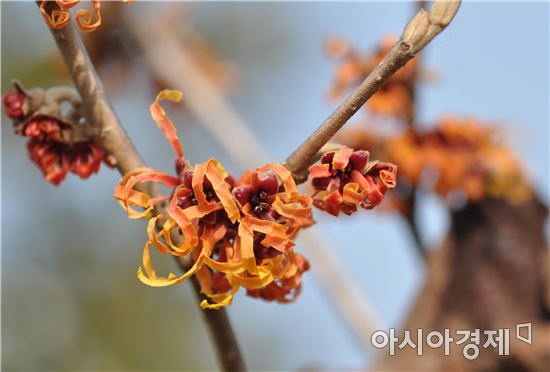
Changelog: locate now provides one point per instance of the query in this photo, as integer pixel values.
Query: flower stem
(114, 140)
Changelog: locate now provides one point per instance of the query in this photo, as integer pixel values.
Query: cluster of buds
(346, 179)
(235, 233)
(58, 143)
(59, 15)
(393, 98)
(463, 156)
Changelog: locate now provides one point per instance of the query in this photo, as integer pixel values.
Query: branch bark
(114, 140)
(417, 34)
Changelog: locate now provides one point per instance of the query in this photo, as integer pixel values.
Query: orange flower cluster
(464, 156)
(346, 179)
(85, 19)
(237, 234)
(394, 98)
(47, 149)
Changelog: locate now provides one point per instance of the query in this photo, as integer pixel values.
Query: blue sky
(493, 65)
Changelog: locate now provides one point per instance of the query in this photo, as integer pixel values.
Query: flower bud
(14, 104)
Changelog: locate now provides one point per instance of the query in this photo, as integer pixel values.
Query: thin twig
(116, 143)
(171, 62)
(417, 34)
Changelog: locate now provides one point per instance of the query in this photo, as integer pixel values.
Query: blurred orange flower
(458, 154)
(394, 98)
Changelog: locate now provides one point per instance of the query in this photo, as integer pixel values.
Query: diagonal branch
(115, 142)
(417, 34)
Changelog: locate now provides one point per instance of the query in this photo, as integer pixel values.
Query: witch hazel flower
(235, 233)
(14, 103)
(57, 144)
(346, 179)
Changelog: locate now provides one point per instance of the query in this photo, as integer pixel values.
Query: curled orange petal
(127, 196)
(164, 122)
(332, 202)
(374, 195)
(216, 175)
(286, 178)
(223, 299)
(275, 233)
(153, 237)
(263, 277)
(319, 171)
(246, 239)
(341, 158)
(351, 194)
(150, 277)
(301, 209)
(67, 4)
(389, 178)
(84, 17)
(58, 18)
(186, 225)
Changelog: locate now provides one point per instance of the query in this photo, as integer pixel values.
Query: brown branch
(417, 34)
(115, 142)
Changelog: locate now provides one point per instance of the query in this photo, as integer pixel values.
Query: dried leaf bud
(416, 29)
(442, 12)
(427, 25)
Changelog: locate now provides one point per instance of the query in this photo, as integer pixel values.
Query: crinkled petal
(300, 209)
(58, 18)
(246, 238)
(150, 277)
(262, 278)
(341, 158)
(319, 171)
(224, 299)
(216, 175)
(332, 202)
(352, 194)
(198, 185)
(164, 122)
(67, 4)
(127, 196)
(85, 18)
(276, 233)
(374, 195)
(153, 237)
(389, 177)
(286, 178)
(186, 225)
